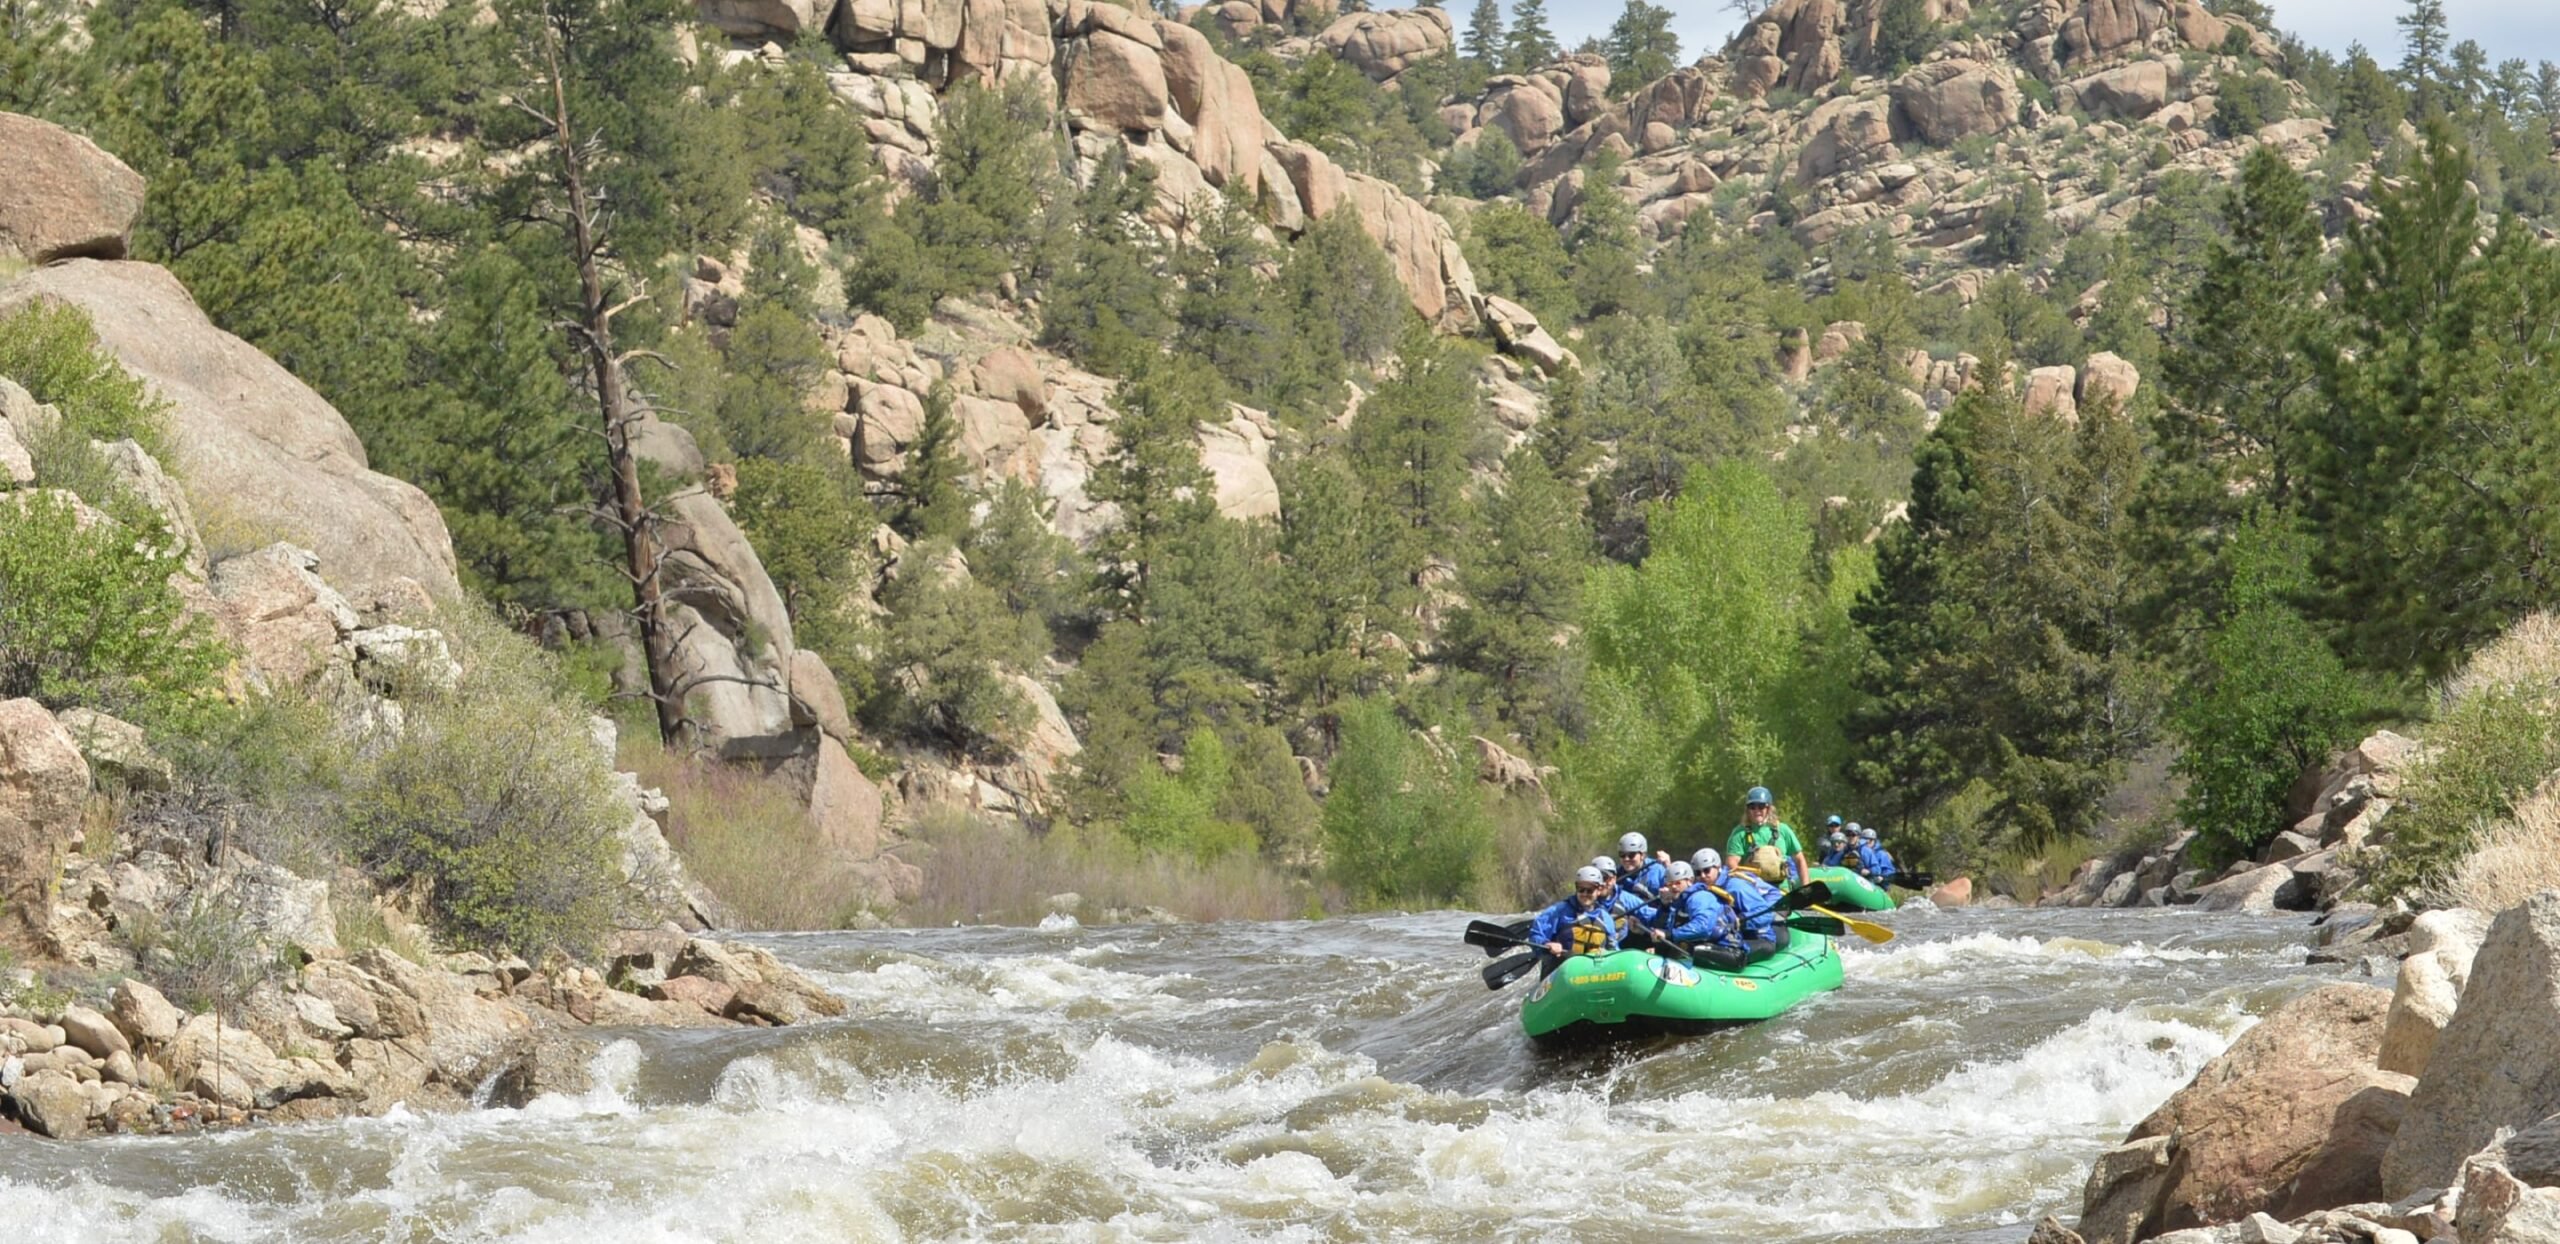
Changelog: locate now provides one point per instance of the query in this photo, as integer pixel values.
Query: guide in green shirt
(1761, 828)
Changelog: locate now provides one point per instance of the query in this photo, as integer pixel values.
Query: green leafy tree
(1345, 305)
(39, 70)
(1344, 593)
(1490, 168)
(1688, 653)
(1179, 812)
(2370, 105)
(2424, 30)
(928, 502)
(1404, 822)
(1015, 550)
(88, 617)
(1109, 305)
(994, 169)
(1155, 479)
(2018, 227)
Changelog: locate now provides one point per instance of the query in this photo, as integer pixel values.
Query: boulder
(2099, 29)
(2126, 92)
(1517, 330)
(2294, 1117)
(2499, 1207)
(1050, 745)
(116, 750)
(279, 614)
(64, 197)
(2049, 392)
(2423, 1000)
(1115, 82)
(51, 1103)
(43, 785)
(2260, 891)
(1418, 242)
(145, 1017)
(1944, 101)
(816, 698)
(1237, 455)
(844, 804)
(888, 419)
(141, 475)
(2049, 1230)
(1385, 43)
(2491, 1067)
(1215, 97)
(2287, 845)
(1527, 111)
(254, 445)
(734, 643)
(2123, 1190)
(92, 1033)
(1955, 893)
(1845, 133)
(2108, 374)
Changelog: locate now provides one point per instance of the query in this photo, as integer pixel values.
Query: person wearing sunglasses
(1767, 844)
(1582, 924)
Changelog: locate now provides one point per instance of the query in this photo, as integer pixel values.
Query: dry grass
(746, 837)
(2526, 658)
(2027, 875)
(979, 871)
(2509, 860)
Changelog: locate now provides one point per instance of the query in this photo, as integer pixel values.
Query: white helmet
(1587, 875)
(1852, 829)
(1705, 860)
(1679, 871)
(1605, 864)
(1867, 835)
(1632, 844)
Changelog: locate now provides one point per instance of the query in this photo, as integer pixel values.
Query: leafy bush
(1404, 823)
(52, 352)
(2495, 742)
(1179, 811)
(746, 837)
(2018, 227)
(1904, 34)
(491, 799)
(88, 617)
(2248, 103)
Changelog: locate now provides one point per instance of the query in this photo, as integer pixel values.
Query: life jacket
(1591, 935)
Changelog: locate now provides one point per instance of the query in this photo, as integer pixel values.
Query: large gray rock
(2442, 945)
(116, 750)
(762, 19)
(733, 636)
(1944, 101)
(2126, 92)
(63, 197)
(43, 783)
(145, 1017)
(2493, 1065)
(2294, 1117)
(2259, 891)
(254, 446)
(52, 1104)
(1385, 43)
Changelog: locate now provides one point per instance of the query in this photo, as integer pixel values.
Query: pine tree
(1519, 584)
(927, 501)
(1486, 44)
(2370, 105)
(1154, 477)
(1640, 47)
(1107, 306)
(1904, 34)
(1343, 594)
(2423, 28)
(1530, 46)
(1605, 247)
(1411, 439)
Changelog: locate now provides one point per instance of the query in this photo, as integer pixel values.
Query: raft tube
(1636, 993)
(1850, 890)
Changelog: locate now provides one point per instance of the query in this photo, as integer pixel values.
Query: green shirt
(1746, 838)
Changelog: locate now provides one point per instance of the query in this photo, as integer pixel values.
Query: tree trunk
(631, 513)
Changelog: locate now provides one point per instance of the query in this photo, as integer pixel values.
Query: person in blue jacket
(1637, 869)
(1835, 849)
(1582, 924)
(1755, 909)
(1622, 897)
(1874, 862)
(1684, 912)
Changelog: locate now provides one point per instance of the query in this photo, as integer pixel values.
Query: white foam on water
(1973, 953)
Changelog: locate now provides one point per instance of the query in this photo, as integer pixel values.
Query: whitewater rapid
(1342, 1080)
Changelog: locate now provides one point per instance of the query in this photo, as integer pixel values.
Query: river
(1343, 1080)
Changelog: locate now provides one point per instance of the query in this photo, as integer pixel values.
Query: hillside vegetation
(1365, 458)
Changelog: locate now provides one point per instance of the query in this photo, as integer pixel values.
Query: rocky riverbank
(2428, 1112)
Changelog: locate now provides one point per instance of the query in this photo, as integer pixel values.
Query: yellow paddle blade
(1867, 929)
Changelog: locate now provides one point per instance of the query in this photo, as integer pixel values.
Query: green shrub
(2248, 102)
(52, 352)
(2018, 227)
(1404, 823)
(87, 617)
(491, 798)
(2494, 742)
(947, 646)
(1179, 811)
(205, 957)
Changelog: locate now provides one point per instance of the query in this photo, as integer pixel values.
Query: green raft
(1848, 889)
(1635, 993)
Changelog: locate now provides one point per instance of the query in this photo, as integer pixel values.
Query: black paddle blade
(1810, 894)
(1494, 938)
(1914, 881)
(1823, 925)
(1503, 972)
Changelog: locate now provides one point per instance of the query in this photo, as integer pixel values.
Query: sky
(2523, 28)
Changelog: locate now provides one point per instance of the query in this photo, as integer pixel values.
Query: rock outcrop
(1946, 101)
(63, 198)
(254, 445)
(2492, 1066)
(1386, 42)
(2293, 1117)
(43, 785)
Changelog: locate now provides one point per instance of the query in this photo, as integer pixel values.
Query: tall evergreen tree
(2424, 32)
(1485, 43)
(1519, 584)
(1530, 45)
(1344, 594)
(1411, 440)
(1605, 247)
(1640, 46)
(1154, 477)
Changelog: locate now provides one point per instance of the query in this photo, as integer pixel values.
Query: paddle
(1504, 971)
(1805, 895)
(1867, 929)
(1913, 881)
(1823, 925)
(1496, 938)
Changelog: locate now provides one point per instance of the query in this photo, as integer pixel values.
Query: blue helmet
(1757, 795)
(1834, 822)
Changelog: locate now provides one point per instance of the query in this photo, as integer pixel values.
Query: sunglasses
(1588, 889)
